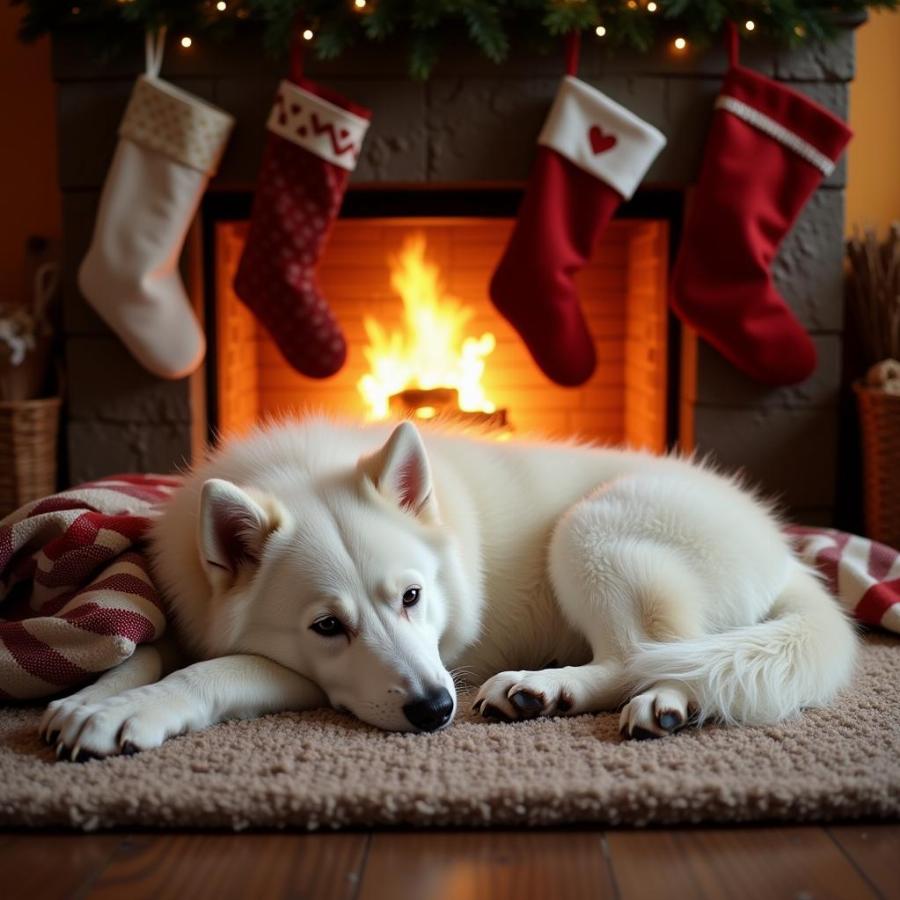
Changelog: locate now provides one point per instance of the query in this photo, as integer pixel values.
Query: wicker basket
(28, 433)
(879, 414)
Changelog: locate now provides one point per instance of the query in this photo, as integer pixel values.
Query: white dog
(316, 563)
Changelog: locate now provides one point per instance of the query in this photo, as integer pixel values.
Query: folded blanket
(77, 597)
(75, 589)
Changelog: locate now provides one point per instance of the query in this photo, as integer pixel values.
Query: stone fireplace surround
(472, 123)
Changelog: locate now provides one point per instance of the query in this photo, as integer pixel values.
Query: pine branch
(493, 26)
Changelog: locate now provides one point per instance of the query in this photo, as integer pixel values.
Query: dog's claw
(129, 749)
(527, 703)
(52, 738)
(489, 711)
(641, 734)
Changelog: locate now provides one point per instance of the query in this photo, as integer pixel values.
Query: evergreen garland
(491, 25)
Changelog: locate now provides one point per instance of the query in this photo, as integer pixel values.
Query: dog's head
(346, 579)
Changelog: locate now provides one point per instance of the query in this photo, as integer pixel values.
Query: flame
(432, 351)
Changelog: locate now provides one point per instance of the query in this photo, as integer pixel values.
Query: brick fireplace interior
(446, 262)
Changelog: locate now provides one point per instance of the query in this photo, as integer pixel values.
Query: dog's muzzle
(430, 712)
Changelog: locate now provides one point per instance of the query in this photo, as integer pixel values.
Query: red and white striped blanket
(76, 596)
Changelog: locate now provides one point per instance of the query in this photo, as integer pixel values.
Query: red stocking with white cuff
(315, 136)
(593, 153)
(768, 149)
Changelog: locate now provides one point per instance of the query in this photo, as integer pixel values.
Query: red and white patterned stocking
(315, 136)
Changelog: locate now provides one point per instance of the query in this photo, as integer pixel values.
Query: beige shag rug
(325, 770)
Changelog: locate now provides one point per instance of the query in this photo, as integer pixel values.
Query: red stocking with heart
(592, 153)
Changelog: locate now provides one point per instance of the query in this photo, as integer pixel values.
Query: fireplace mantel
(472, 123)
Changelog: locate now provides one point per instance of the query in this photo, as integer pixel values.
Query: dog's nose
(428, 713)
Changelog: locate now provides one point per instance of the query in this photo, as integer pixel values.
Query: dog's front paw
(139, 719)
(523, 695)
(661, 710)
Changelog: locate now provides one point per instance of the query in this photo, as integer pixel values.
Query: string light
(221, 6)
(76, 10)
(186, 42)
(307, 34)
(600, 31)
(359, 4)
(800, 31)
(750, 25)
(632, 4)
(652, 7)
(679, 43)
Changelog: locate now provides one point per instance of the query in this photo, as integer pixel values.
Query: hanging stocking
(170, 143)
(315, 136)
(592, 154)
(768, 149)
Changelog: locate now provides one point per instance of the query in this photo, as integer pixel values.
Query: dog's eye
(411, 596)
(328, 627)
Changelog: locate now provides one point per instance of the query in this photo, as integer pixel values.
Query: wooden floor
(800, 863)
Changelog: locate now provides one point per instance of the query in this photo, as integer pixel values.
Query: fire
(433, 350)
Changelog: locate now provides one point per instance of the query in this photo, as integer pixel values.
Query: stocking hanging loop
(733, 43)
(154, 46)
(296, 73)
(573, 51)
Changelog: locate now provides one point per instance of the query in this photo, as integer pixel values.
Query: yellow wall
(873, 187)
(29, 192)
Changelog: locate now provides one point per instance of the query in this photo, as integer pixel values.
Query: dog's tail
(801, 656)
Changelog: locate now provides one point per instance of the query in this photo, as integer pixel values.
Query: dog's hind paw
(523, 695)
(659, 711)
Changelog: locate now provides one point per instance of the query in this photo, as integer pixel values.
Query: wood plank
(733, 863)
(37, 866)
(874, 850)
(221, 866)
(501, 865)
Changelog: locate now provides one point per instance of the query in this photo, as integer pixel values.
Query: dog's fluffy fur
(317, 563)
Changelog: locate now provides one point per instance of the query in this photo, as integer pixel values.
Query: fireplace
(410, 291)
(459, 148)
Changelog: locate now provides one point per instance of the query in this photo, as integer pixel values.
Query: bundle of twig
(875, 293)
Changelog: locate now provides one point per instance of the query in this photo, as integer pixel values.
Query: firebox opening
(408, 282)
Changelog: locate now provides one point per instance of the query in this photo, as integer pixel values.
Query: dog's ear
(400, 471)
(233, 529)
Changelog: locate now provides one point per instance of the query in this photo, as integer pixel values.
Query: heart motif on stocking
(601, 142)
